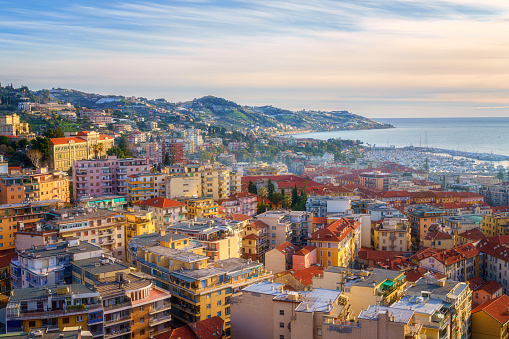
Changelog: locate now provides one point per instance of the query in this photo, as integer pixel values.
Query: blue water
(483, 135)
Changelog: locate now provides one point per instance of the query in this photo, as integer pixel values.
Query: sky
(376, 58)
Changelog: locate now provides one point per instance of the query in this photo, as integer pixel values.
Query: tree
(251, 188)
(425, 167)
(167, 161)
(271, 188)
(116, 151)
(35, 157)
(500, 175)
(262, 193)
(287, 201)
(22, 143)
(100, 148)
(54, 133)
(41, 144)
(295, 196)
(95, 149)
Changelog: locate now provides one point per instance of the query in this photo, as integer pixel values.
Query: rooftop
(58, 249)
(32, 293)
(399, 315)
(419, 305)
(101, 265)
(176, 254)
(226, 266)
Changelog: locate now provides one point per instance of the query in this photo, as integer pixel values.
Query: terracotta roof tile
(305, 276)
(286, 248)
(160, 203)
(496, 308)
(305, 250)
(336, 231)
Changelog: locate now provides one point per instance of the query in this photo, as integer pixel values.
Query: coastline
(332, 130)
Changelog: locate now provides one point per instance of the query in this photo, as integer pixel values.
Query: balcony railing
(117, 333)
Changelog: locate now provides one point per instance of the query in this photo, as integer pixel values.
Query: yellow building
(490, 320)
(496, 224)
(142, 186)
(88, 271)
(46, 186)
(421, 217)
(337, 243)
(138, 222)
(10, 125)
(200, 207)
(55, 307)
(205, 292)
(392, 235)
(63, 151)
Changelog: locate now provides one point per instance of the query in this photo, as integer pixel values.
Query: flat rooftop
(58, 249)
(176, 254)
(227, 266)
(428, 306)
(95, 266)
(354, 278)
(399, 315)
(31, 293)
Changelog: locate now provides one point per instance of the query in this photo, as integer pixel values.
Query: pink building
(93, 178)
(239, 203)
(304, 258)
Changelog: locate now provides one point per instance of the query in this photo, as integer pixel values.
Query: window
(281, 312)
(208, 295)
(282, 325)
(281, 336)
(142, 332)
(318, 331)
(219, 313)
(208, 306)
(142, 320)
(141, 308)
(31, 324)
(219, 292)
(79, 318)
(219, 303)
(65, 320)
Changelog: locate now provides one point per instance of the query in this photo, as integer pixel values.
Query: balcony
(117, 320)
(117, 333)
(161, 307)
(159, 319)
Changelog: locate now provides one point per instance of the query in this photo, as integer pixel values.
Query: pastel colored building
(165, 211)
(104, 177)
(242, 203)
(491, 319)
(304, 258)
(279, 259)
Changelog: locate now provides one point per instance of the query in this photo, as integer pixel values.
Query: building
(74, 332)
(376, 180)
(496, 194)
(10, 125)
(265, 310)
(54, 307)
(106, 229)
(5, 271)
(304, 258)
(143, 186)
(89, 271)
(495, 259)
(490, 319)
(438, 240)
(204, 292)
(64, 151)
(320, 205)
(496, 224)
(138, 222)
(442, 306)
(483, 291)
(377, 322)
(279, 227)
(255, 241)
(337, 244)
(183, 187)
(374, 286)
(51, 264)
(134, 307)
(240, 203)
(301, 227)
(200, 207)
(473, 235)
(109, 202)
(279, 259)
(421, 217)
(392, 234)
(383, 211)
(38, 186)
(164, 211)
(299, 280)
(104, 177)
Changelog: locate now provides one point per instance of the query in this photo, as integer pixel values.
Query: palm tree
(262, 193)
(287, 202)
(95, 149)
(100, 149)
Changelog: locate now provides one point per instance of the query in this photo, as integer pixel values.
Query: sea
(477, 135)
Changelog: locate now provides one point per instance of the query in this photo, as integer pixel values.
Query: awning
(388, 283)
(183, 277)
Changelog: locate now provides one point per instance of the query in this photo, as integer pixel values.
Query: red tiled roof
(337, 231)
(495, 246)
(5, 260)
(448, 256)
(496, 308)
(437, 235)
(252, 236)
(211, 328)
(64, 141)
(491, 287)
(305, 250)
(258, 224)
(415, 274)
(319, 220)
(105, 137)
(473, 234)
(160, 203)
(370, 254)
(305, 276)
(475, 283)
(240, 217)
(286, 248)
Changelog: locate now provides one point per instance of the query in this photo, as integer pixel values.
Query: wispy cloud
(359, 52)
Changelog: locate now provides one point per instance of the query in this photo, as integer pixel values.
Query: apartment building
(239, 203)
(496, 194)
(495, 259)
(54, 307)
(279, 227)
(108, 202)
(200, 208)
(183, 187)
(279, 259)
(143, 186)
(337, 244)
(443, 307)
(495, 224)
(20, 217)
(164, 211)
(421, 217)
(104, 177)
(375, 286)
(266, 310)
(301, 227)
(51, 264)
(459, 263)
(204, 292)
(392, 234)
(106, 229)
(64, 151)
(89, 271)
(438, 240)
(377, 322)
(221, 238)
(138, 222)
(37, 186)
(376, 180)
(255, 241)
(490, 320)
(133, 307)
